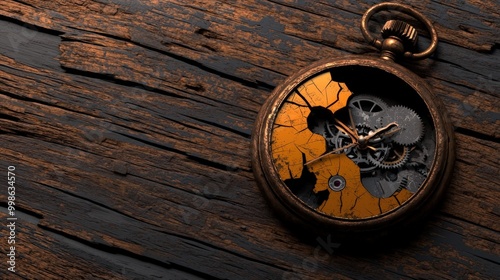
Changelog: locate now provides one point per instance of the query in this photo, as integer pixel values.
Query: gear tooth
(413, 164)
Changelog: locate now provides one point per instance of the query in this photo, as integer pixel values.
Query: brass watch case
(307, 219)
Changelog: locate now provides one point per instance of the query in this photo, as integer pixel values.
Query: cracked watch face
(347, 144)
(350, 155)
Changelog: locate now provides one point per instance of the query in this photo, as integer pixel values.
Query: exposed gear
(378, 157)
(368, 103)
(409, 122)
(367, 110)
(388, 163)
(337, 139)
(362, 118)
(395, 157)
(381, 152)
(359, 157)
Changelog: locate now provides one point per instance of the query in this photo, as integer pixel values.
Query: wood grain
(129, 124)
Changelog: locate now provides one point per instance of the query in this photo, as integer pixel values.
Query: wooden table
(129, 124)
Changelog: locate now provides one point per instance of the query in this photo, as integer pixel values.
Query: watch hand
(381, 130)
(344, 128)
(353, 138)
(352, 123)
(331, 152)
(364, 140)
(388, 133)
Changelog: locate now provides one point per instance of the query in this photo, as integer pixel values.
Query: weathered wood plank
(288, 32)
(134, 140)
(53, 256)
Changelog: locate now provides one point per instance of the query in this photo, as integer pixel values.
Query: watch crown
(402, 30)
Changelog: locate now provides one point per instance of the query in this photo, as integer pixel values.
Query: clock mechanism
(399, 160)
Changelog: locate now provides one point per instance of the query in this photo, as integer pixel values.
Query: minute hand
(382, 130)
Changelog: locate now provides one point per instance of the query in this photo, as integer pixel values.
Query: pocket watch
(356, 145)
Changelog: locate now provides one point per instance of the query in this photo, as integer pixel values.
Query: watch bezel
(296, 211)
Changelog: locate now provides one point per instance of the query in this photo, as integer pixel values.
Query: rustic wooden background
(129, 125)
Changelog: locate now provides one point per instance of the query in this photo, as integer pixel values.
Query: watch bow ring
(403, 8)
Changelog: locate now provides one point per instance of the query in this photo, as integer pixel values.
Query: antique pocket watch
(356, 145)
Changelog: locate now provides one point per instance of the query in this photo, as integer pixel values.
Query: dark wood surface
(129, 125)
